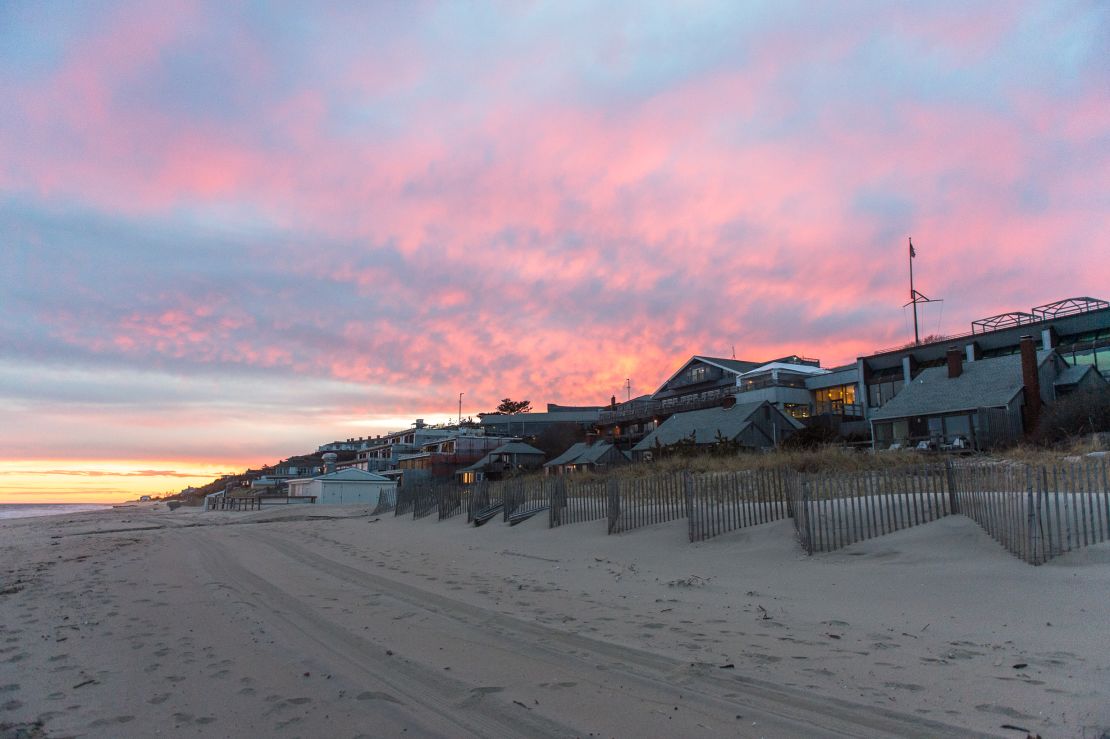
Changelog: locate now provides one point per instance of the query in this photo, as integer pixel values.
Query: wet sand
(325, 621)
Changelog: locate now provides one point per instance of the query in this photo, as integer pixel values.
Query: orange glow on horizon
(103, 481)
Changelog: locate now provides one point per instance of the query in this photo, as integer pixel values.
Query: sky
(231, 232)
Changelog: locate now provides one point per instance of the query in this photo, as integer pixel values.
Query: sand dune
(329, 622)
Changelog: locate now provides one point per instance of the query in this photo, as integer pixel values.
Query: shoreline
(197, 621)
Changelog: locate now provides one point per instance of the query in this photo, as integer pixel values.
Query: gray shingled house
(511, 457)
(586, 456)
(752, 425)
(977, 404)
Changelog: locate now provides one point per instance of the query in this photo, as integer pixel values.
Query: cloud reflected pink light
(554, 210)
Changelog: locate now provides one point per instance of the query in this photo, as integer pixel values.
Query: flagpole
(913, 298)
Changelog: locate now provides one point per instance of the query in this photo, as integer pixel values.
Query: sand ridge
(331, 621)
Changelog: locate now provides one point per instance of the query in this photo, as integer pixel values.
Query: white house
(345, 487)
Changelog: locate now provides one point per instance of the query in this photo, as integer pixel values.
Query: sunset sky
(230, 232)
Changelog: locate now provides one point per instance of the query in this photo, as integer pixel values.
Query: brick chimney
(955, 362)
(1030, 378)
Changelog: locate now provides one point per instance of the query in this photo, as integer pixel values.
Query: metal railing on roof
(1040, 314)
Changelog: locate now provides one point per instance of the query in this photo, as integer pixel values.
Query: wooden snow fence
(719, 502)
(1038, 512)
(425, 499)
(406, 496)
(645, 501)
(833, 510)
(483, 502)
(387, 501)
(451, 499)
(524, 498)
(1035, 512)
(576, 501)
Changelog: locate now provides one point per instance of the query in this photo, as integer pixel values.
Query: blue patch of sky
(36, 36)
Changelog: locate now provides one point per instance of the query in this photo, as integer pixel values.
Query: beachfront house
(586, 456)
(345, 487)
(977, 404)
(507, 459)
(758, 425)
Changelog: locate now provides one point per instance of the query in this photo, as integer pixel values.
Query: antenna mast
(916, 297)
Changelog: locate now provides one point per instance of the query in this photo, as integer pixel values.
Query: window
(697, 374)
(881, 393)
(796, 410)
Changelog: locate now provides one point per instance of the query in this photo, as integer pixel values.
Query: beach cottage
(747, 425)
(345, 487)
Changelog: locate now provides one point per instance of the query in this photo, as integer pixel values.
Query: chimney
(1030, 378)
(955, 362)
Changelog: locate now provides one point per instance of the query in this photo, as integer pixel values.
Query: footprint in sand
(374, 695)
(100, 722)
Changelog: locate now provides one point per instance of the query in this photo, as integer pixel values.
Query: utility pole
(460, 411)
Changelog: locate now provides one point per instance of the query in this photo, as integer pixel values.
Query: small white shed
(345, 487)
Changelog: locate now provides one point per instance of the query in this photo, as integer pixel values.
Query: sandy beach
(326, 621)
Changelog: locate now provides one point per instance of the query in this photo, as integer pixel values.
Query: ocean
(25, 510)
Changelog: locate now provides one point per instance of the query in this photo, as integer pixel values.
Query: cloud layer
(220, 207)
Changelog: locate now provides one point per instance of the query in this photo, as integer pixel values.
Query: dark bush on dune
(1079, 414)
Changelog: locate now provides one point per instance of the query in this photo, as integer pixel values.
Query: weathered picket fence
(833, 510)
(577, 501)
(1035, 512)
(387, 501)
(644, 501)
(719, 502)
(1038, 512)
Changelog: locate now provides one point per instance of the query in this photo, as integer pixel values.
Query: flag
(912, 252)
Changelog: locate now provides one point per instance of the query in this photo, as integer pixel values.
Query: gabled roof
(352, 474)
(513, 447)
(1074, 374)
(801, 369)
(516, 447)
(569, 455)
(732, 366)
(592, 453)
(984, 383)
(704, 425)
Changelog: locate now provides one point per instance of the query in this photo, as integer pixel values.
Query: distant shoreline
(31, 510)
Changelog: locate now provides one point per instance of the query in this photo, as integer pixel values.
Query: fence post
(688, 492)
(807, 516)
(613, 490)
(1031, 521)
(950, 477)
(780, 478)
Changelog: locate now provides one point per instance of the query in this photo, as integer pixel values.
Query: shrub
(1078, 414)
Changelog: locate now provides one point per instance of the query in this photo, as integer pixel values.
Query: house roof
(984, 383)
(582, 453)
(703, 425)
(569, 455)
(592, 453)
(1074, 374)
(517, 447)
(733, 366)
(801, 369)
(352, 474)
(513, 447)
